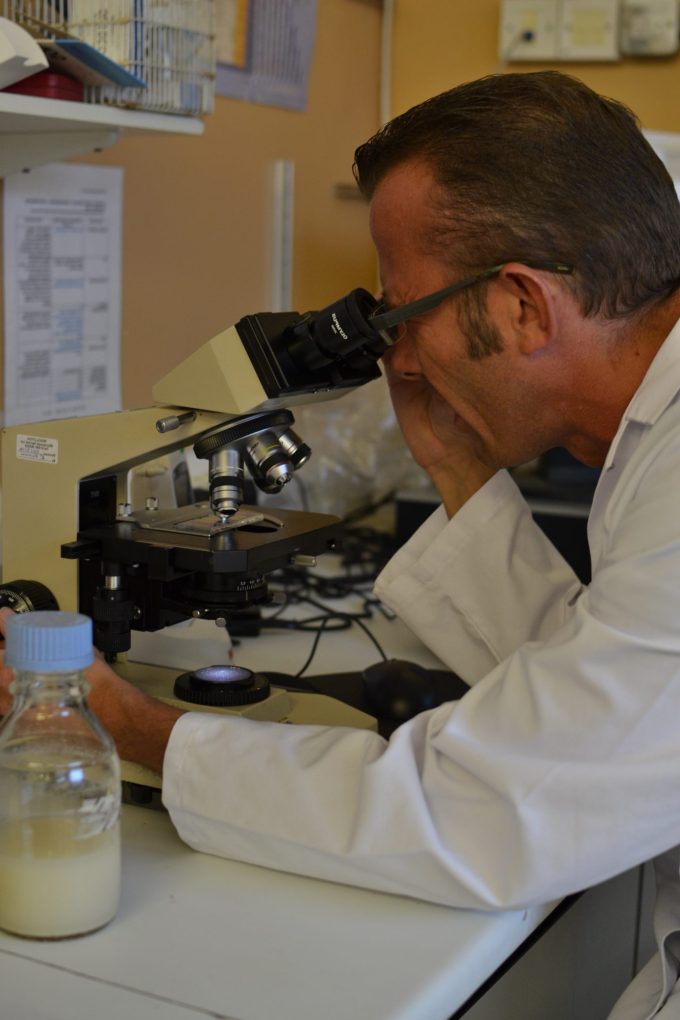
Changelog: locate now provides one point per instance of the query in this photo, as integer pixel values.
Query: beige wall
(439, 43)
(197, 211)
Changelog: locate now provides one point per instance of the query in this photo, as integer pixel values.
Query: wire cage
(168, 44)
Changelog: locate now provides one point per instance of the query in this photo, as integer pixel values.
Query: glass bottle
(59, 786)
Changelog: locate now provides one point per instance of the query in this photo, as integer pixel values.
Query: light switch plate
(650, 28)
(588, 30)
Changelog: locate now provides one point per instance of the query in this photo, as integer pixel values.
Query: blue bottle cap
(49, 642)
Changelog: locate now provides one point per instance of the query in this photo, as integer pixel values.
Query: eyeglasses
(389, 323)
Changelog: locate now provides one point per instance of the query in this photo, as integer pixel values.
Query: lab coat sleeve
(557, 770)
(478, 586)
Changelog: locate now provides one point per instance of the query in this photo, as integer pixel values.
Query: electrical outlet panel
(528, 30)
(650, 28)
(588, 30)
(582, 30)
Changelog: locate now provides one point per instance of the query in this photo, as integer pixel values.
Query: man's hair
(538, 166)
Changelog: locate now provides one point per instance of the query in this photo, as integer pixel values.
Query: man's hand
(439, 445)
(6, 674)
(139, 725)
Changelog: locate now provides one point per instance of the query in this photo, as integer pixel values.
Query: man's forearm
(140, 725)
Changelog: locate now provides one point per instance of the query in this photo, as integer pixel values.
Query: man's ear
(526, 305)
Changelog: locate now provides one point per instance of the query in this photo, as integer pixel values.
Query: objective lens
(267, 462)
(226, 482)
(295, 448)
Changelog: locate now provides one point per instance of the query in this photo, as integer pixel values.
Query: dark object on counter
(398, 690)
(49, 85)
(351, 689)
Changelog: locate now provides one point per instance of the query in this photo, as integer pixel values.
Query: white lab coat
(561, 766)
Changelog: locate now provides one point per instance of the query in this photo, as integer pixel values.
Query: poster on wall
(264, 50)
(62, 283)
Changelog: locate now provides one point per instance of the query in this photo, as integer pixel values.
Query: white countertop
(200, 936)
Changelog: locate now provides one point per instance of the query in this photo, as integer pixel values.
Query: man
(561, 767)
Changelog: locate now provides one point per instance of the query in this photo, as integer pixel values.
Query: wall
(197, 211)
(440, 43)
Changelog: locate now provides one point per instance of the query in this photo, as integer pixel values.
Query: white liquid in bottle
(59, 786)
(53, 885)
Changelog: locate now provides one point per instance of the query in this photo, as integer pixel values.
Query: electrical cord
(524, 35)
(315, 644)
(364, 553)
(329, 620)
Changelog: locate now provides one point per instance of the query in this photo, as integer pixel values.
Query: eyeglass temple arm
(385, 320)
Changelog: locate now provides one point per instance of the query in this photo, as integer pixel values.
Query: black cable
(373, 638)
(364, 553)
(312, 624)
(315, 645)
(348, 619)
(331, 620)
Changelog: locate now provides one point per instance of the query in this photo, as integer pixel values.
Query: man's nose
(403, 359)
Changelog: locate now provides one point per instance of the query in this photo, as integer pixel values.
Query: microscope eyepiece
(340, 334)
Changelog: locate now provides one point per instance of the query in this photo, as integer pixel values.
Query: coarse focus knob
(27, 596)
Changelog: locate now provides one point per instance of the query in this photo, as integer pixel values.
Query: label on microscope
(38, 448)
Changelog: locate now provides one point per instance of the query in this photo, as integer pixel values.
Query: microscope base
(281, 706)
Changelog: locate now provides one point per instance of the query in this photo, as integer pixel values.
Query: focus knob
(27, 596)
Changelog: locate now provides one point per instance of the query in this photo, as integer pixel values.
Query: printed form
(62, 283)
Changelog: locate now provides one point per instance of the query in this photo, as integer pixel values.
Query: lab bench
(198, 935)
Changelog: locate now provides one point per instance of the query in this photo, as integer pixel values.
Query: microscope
(75, 541)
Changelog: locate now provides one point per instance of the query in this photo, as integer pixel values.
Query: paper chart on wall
(62, 284)
(264, 50)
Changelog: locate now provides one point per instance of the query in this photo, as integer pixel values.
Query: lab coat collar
(658, 389)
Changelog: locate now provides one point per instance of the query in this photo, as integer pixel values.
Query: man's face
(495, 397)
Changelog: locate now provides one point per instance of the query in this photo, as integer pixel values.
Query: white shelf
(35, 131)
